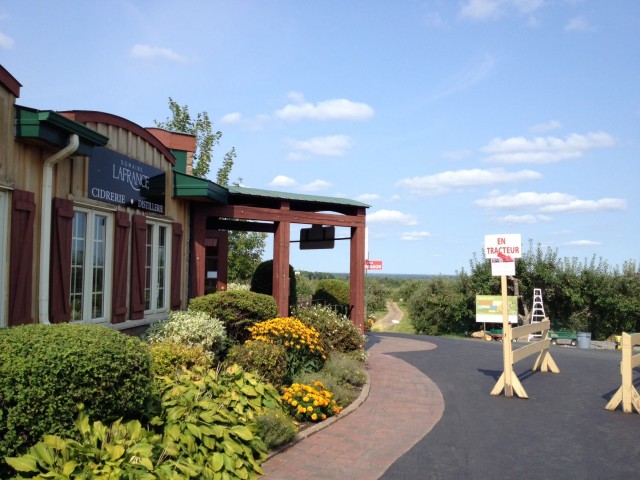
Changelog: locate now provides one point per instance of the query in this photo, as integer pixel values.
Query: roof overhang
(54, 129)
(198, 189)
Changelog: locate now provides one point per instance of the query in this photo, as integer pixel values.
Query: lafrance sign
(115, 178)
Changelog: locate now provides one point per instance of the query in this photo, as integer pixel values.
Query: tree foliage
(245, 248)
(202, 128)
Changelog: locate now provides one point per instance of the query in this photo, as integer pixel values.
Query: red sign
(373, 264)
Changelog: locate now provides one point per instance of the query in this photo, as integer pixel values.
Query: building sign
(501, 267)
(373, 264)
(489, 308)
(115, 178)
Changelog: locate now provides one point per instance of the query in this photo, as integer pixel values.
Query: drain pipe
(45, 225)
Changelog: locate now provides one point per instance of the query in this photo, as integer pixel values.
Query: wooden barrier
(627, 393)
(544, 362)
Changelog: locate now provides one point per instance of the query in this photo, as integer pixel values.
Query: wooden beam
(528, 350)
(356, 277)
(523, 330)
(282, 215)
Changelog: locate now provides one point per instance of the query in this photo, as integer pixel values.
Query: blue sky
(453, 119)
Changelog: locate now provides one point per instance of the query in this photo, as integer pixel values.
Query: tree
(245, 248)
(201, 128)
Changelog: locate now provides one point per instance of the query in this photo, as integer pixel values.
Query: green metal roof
(53, 128)
(256, 192)
(188, 186)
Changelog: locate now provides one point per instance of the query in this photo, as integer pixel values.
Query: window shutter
(176, 267)
(23, 211)
(138, 260)
(60, 274)
(120, 258)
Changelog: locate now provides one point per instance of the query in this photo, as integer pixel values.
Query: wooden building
(101, 221)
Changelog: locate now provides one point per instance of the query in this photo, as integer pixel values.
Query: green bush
(238, 310)
(192, 328)
(119, 450)
(268, 360)
(344, 395)
(262, 282)
(276, 428)
(47, 370)
(209, 423)
(337, 331)
(169, 357)
(345, 369)
(208, 429)
(334, 293)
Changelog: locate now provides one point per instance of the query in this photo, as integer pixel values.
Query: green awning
(54, 129)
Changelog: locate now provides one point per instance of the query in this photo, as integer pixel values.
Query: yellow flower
(314, 417)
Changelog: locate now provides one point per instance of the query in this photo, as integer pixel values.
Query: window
(156, 283)
(91, 266)
(4, 231)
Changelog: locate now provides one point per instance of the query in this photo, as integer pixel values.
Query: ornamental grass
(305, 351)
(310, 403)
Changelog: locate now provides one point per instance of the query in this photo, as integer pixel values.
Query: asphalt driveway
(561, 432)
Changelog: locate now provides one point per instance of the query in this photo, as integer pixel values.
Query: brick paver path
(402, 406)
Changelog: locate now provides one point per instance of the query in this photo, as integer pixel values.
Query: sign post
(506, 248)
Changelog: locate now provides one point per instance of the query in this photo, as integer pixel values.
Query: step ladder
(537, 311)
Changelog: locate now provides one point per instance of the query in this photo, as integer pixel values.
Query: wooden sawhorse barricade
(508, 381)
(627, 393)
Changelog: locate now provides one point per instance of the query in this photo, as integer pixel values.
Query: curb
(312, 430)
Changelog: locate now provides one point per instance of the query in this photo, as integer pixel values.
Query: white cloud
(412, 236)
(315, 186)
(546, 127)
(551, 202)
(523, 219)
(542, 150)
(329, 146)
(468, 77)
(149, 52)
(480, 10)
(579, 24)
(391, 217)
(582, 243)
(6, 41)
(336, 109)
(231, 118)
(443, 182)
(282, 181)
(586, 206)
(368, 197)
(525, 199)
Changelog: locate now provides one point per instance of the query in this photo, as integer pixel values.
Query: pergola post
(281, 247)
(198, 244)
(356, 275)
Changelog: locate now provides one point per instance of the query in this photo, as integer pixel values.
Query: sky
(451, 119)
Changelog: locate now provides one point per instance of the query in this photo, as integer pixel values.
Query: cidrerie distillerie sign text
(118, 179)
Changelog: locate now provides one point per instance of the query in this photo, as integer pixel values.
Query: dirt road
(393, 313)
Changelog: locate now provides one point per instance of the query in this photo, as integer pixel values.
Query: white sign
(501, 267)
(505, 246)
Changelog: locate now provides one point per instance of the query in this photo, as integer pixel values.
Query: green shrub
(304, 349)
(276, 428)
(268, 360)
(169, 357)
(192, 328)
(209, 422)
(120, 450)
(262, 282)
(238, 310)
(343, 394)
(334, 293)
(337, 331)
(208, 429)
(47, 370)
(345, 370)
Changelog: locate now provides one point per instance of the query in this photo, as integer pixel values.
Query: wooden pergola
(217, 209)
